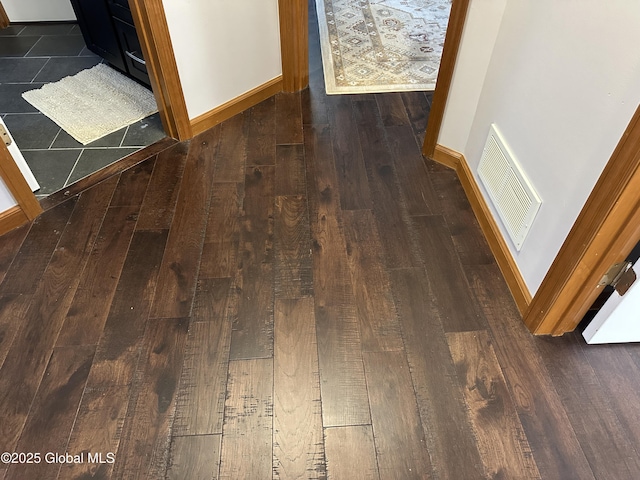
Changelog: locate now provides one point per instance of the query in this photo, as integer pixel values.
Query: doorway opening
(373, 46)
(32, 54)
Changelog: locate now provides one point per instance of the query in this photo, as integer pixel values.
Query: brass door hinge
(5, 135)
(620, 276)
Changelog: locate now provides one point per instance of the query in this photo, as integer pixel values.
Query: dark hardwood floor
(295, 293)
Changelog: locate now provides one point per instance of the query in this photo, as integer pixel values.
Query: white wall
(478, 40)
(6, 199)
(562, 84)
(223, 48)
(38, 10)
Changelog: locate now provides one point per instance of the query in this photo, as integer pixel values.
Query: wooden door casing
(4, 19)
(604, 233)
(28, 206)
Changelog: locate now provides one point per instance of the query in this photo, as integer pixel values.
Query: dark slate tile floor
(14, 70)
(34, 54)
(57, 68)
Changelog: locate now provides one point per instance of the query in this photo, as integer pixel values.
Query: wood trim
(236, 105)
(17, 185)
(447, 157)
(452, 41)
(12, 218)
(4, 18)
(517, 286)
(153, 33)
(604, 233)
(504, 259)
(294, 41)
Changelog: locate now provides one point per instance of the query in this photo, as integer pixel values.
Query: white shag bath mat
(93, 103)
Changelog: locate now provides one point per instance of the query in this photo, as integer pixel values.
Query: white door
(618, 321)
(21, 162)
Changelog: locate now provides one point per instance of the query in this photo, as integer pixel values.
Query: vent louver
(511, 193)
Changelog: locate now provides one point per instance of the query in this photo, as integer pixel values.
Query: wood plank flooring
(295, 293)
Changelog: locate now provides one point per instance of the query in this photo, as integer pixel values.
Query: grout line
(32, 47)
(54, 139)
(23, 113)
(66, 182)
(39, 71)
(125, 134)
(61, 149)
(34, 56)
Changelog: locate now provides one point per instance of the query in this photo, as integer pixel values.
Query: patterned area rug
(381, 45)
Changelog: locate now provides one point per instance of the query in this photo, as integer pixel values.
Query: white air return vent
(511, 193)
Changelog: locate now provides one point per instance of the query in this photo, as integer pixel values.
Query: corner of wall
(236, 105)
